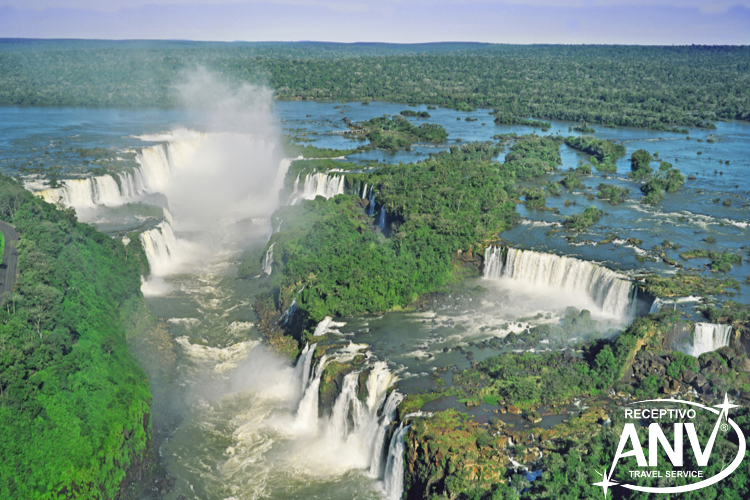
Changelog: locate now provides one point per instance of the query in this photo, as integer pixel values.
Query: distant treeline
(654, 87)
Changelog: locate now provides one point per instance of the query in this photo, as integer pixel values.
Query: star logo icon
(605, 482)
(725, 407)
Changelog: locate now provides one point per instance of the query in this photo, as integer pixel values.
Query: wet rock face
(709, 376)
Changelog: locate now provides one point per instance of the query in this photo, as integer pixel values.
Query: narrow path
(10, 259)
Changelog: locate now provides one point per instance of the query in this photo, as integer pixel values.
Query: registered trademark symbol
(724, 427)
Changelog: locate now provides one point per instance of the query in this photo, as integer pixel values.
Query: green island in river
(464, 304)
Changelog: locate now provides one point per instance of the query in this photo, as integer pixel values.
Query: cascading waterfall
(394, 467)
(320, 184)
(493, 262)
(288, 315)
(156, 164)
(390, 411)
(381, 223)
(371, 206)
(296, 189)
(158, 243)
(364, 192)
(345, 402)
(610, 290)
(304, 364)
(307, 411)
(709, 337)
(659, 303)
(85, 193)
(268, 260)
(361, 424)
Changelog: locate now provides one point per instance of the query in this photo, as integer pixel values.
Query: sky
(644, 22)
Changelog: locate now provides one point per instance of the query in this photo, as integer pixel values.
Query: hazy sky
(662, 22)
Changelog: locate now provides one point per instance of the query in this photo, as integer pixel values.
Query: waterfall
(155, 170)
(286, 318)
(371, 206)
(394, 467)
(656, 305)
(307, 411)
(389, 415)
(327, 325)
(320, 184)
(611, 291)
(268, 260)
(86, 193)
(127, 185)
(659, 303)
(159, 243)
(709, 337)
(304, 364)
(364, 192)
(346, 401)
(381, 223)
(493, 262)
(296, 189)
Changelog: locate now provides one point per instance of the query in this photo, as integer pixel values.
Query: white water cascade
(307, 411)
(394, 467)
(493, 262)
(304, 364)
(381, 223)
(85, 193)
(709, 337)
(359, 425)
(389, 415)
(371, 206)
(268, 260)
(319, 184)
(295, 191)
(159, 244)
(611, 291)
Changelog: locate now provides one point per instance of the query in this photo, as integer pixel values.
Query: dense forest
(346, 265)
(67, 379)
(655, 87)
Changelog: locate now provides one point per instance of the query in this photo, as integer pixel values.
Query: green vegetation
(533, 156)
(640, 164)
(588, 217)
(658, 87)
(415, 114)
(584, 129)
(74, 404)
(572, 181)
(614, 194)
(309, 151)
(504, 118)
(399, 133)
(728, 312)
(667, 180)
(330, 250)
(720, 261)
(603, 150)
(535, 197)
(684, 284)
